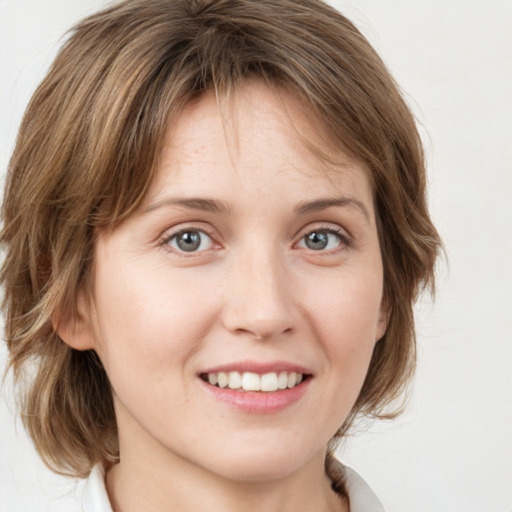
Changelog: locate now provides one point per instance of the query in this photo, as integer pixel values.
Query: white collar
(94, 494)
(362, 498)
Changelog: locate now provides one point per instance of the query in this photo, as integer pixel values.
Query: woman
(215, 228)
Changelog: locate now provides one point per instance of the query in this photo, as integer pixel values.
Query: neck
(161, 482)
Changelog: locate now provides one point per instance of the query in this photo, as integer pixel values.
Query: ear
(383, 321)
(74, 325)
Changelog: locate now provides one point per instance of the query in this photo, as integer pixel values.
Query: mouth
(270, 382)
(257, 387)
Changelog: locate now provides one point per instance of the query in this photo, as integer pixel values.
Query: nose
(259, 297)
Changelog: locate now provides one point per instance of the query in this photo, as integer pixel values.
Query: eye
(324, 240)
(189, 240)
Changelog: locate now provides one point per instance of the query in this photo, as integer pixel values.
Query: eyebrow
(214, 206)
(193, 203)
(323, 204)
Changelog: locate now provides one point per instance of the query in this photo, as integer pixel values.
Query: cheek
(149, 333)
(345, 313)
(152, 320)
(144, 318)
(348, 331)
(348, 306)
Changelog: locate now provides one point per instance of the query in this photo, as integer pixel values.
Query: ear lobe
(382, 323)
(74, 327)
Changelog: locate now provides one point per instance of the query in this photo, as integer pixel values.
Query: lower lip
(258, 402)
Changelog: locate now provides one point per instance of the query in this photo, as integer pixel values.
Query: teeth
(249, 381)
(234, 380)
(222, 379)
(292, 379)
(282, 380)
(269, 382)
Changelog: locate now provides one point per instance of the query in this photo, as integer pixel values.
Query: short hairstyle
(88, 149)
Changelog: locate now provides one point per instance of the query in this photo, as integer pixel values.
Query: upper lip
(259, 367)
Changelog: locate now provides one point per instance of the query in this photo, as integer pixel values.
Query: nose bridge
(259, 293)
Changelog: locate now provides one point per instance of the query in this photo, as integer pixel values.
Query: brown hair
(88, 148)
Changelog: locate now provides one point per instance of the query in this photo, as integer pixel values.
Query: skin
(254, 290)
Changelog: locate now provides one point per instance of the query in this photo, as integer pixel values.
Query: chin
(260, 463)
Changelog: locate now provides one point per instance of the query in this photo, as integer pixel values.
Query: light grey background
(452, 449)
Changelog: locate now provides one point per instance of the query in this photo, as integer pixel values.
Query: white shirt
(362, 498)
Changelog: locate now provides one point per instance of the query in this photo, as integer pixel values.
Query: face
(250, 265)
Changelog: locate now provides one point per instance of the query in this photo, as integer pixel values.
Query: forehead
(257, 138)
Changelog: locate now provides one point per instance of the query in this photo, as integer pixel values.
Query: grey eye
(321, 240)
(190, 241)
(316, 240)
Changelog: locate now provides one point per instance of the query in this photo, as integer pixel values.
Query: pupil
(316, 240)
(189, 241)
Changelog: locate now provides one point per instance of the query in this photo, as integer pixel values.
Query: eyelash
(345, 240)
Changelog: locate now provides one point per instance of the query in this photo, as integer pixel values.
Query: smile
(250, 381)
